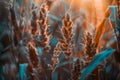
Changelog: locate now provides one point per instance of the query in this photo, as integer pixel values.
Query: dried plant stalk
(14, 23)
(100, 30)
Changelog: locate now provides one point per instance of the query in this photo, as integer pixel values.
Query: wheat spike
(90, 46)
(67, 41)
(43, 24)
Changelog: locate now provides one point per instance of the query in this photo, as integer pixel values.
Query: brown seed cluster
(67, 31)
(76, 70)
(56, 54)
(43, 24)
(90, 47)
(33, 55)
